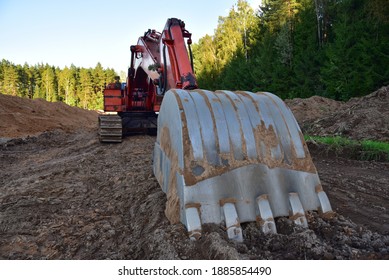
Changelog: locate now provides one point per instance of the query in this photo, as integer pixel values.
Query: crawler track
(110, 128)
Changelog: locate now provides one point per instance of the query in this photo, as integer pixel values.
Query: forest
(294, 48)
(298, 48)
(81, 87)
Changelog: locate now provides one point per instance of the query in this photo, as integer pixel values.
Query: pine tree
(29, 79)
(39, 91)
(3, 64)
(222, 59)
(357, 59)
(11, 80)
(99, 81)
(110, 75)
(48, 83)
(275, 50)
(308, 54)
(67, 84)
(205, 62)
(85, 90)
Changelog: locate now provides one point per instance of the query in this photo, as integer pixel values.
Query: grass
(363, 150)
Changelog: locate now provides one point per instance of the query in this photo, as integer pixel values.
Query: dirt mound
(359, 118)
(20, 117)
(308, 110)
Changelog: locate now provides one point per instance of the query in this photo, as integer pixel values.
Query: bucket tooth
(234, 230)
(325, 206)
(193, 222)
(324, 202)
(265, 217)
(297, 214)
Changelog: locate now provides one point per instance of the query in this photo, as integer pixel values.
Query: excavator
(221, 157)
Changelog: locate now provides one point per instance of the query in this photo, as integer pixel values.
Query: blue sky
(84, 32)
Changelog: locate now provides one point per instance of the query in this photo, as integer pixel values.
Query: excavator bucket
(232, 157)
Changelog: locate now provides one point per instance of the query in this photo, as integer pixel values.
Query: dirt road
(67, 196)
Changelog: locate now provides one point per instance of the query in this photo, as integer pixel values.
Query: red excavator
(221, 157)
(159, 62)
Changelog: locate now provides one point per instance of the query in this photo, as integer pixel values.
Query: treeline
(298, 48)
(293, 48)
(81, 87)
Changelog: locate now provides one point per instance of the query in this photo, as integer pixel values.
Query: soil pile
(20, 117)
(308, 110)
(359, 118)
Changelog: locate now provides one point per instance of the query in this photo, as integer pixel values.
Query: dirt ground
(64, 195)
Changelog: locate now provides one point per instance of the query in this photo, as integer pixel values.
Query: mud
(65, 195)
(172, 210)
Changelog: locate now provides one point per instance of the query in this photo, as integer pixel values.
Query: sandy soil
(64, 195)
(21, 117)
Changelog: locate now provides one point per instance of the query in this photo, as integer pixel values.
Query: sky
(85, 32)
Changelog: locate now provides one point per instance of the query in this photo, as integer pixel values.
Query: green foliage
(217, 57)
(67, 85)
(75, 86)
(298, 48)
(373, 149)
(350, 68)
(364, 149)
(205, 62)
(308, 55)
(48, 83)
